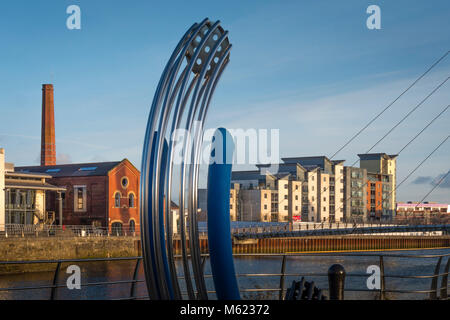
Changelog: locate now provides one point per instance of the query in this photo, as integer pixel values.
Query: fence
(42, 230)
(336, 276)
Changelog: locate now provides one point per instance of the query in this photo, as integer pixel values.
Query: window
(324, 199)
(296, 187)
(79, 198)
(231, 206)
(87, 169)
(63, 199)
(116, 229)
(131, 203)
(296, 197)
(324, 209)
(285, 196)
(312, 208)
(265, 195)
(296, 208)
(286, 186)
(324, 179)
(312, 188)
(265, 207)
(132, 226)
(124, 182)
(285, 207)
(117, 197)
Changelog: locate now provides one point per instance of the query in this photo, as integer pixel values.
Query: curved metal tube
(204, 52)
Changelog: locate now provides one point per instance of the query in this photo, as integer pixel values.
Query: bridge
(322, 230)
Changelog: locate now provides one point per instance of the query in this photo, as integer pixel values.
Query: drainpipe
(60, 209)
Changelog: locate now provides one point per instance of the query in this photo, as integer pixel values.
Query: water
(123, 270)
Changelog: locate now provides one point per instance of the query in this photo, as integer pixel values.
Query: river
(123, 270)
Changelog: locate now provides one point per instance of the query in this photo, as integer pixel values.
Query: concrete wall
(295, 198)
(2, 189)
(283, 200)
(250, 205)
(324, 197)
(339, 192)
(312, 195)
(16, 249)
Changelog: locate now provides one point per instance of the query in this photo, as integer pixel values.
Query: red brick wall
(123, 214)
(96, 206)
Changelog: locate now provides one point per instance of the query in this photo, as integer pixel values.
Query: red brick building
(103, 194)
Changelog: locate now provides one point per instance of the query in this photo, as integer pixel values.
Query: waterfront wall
(331, 243)
(19, 249)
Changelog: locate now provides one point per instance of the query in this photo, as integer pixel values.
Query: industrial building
(23, 197)
(101, 194)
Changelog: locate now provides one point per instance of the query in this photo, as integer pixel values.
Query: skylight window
(88, 169)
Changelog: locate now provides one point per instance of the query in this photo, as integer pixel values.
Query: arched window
(131, 200)
(117, 200)
(116, 229)
(132, 226)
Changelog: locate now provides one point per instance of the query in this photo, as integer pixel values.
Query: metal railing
(434, 290)
(43, 230)
(324, 229)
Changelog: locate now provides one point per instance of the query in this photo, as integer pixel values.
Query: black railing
(336, 282)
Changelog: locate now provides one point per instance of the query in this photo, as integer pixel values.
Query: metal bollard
(336, 281)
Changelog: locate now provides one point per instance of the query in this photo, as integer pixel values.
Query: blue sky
(310, 68)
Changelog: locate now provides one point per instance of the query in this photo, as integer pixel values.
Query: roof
(376, 156)
(281, 175)
(246, 175)
(34, 185)
(72, 170)
(296, 159)
(13, 174)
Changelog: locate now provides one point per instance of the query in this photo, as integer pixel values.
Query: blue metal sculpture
(219, 234)
(182, 97)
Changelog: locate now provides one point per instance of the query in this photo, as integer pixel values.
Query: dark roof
(280, 175)
(247, 175)
(376, 156)
(73, 170)
(297, 159)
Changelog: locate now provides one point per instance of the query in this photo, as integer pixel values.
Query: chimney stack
(48, 148)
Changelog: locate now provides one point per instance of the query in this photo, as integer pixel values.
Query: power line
(432, 189)
(397, 124)
(420, 164)
(409, 113)
(421, 131)
(390, 104)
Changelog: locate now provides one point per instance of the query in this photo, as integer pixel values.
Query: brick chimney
(48, 148)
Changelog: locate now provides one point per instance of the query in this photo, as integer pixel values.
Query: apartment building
(384, 164)
(422, 210)
(379, 189)
(321, 190)
(255, 205)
